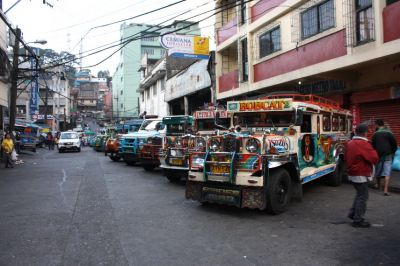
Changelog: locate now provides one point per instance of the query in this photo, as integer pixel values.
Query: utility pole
(14, 80)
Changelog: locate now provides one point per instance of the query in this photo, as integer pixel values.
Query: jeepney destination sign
(260, 105)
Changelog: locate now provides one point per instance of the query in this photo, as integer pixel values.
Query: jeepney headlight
(253, 145)
(149, 141)
(173, 152)
(200, 143)
(178, 142)
(176, 153)
(215, 145)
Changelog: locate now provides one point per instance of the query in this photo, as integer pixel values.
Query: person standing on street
(8, 145)
(385, 144)
(50, 141)
(360, 158)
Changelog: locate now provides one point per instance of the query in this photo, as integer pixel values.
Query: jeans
(359, 207)
(8, 160)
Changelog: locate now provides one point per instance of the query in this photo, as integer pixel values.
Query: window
(162, 52)
(148, 51)
(243, 11)
(364, 21)
(326, 122)
(122, 105)
(91, 101)
(342, 123)
(270, 42)
(154, 89)
(306, 126)
(142, 95)
(389, 2)
(317, 19)
(162, 85)
(122, 78)
(122, 92)
(245, 63)
(148, 94)
(335, 123)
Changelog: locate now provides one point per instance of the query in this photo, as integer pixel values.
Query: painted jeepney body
(29, 135)
(301, 136)
(112, 144)
(129, 143)
(176, 156)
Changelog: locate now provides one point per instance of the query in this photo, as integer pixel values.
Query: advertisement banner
(194, 47)
(34, 97)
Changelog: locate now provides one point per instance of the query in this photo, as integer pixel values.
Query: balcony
(227, 30)
(228, 81)
(391, 15)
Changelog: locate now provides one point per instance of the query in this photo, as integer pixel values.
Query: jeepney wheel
(115, 158)
(174, 178)
(149, 167)
(130, 163)
(335, 178)
(279, 191)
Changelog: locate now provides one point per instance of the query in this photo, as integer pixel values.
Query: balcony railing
(227, 30)
(229, 81)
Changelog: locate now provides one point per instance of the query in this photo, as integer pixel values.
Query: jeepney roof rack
(307, 98)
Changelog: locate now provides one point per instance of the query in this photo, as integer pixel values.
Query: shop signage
(260, 105)
(34, 97)
(194, 47)
(209, 114)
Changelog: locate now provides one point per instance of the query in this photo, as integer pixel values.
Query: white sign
(186, 46)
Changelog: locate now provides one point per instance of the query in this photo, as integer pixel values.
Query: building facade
(126, 78)
(5, 68)
(348, 50)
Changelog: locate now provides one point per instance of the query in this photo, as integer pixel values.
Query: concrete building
(5, 68)
(348, 50)
(126, 78)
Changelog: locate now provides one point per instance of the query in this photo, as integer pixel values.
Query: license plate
(220, 169)
(175, 161)
(226, 196)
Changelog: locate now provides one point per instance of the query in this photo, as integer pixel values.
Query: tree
(103, 74)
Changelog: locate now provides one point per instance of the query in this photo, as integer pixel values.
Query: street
(84, 209)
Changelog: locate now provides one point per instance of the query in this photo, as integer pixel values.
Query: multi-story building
(126, 78)
(348, 50)
(4, 72)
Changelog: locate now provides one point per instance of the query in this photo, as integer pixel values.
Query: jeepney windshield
(151, 125)
(264, 119)
(69, 135)
(209, 124)
(176, 129)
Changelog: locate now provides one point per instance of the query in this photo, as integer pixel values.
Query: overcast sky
(69, 20)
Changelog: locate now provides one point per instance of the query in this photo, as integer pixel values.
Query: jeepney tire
(115, 158)
(173, 178)
(279, 191)
(335, 178)
(148, 167)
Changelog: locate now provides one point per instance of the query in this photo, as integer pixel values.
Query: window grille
(312, 18)
(269, 42)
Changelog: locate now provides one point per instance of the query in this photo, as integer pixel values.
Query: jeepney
(112, 144)
(280, 143)
(29, 135)
(129, 143)
(176, 157)
(172, 158)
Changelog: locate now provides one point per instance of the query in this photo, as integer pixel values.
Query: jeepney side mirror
(299, 117)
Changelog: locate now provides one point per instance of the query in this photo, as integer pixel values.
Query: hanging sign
(183, 46)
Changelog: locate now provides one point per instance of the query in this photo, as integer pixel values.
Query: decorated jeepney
(112, 144)
(192, 139)
(129, 143)
(278, 144)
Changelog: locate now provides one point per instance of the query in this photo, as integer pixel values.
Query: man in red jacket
(360, 158)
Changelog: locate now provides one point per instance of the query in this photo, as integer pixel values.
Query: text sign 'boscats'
(260, 105)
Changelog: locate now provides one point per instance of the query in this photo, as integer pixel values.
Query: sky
(68, 22)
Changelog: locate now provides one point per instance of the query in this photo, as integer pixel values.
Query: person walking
(50, 141)
(8, 145)
(360, 158)
(385, 144)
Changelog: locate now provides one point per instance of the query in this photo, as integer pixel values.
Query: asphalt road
(84, 209)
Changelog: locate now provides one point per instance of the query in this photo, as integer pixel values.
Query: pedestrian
(360, 158)
(50, 141)
(8, 146)
(385, 144)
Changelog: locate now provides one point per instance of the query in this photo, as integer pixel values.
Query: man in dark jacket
(385, 144)
(360, 158)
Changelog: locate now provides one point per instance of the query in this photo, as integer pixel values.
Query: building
(126, 78)
(348, 50)
(5, 68)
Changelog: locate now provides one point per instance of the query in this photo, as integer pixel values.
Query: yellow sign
(201, 45)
